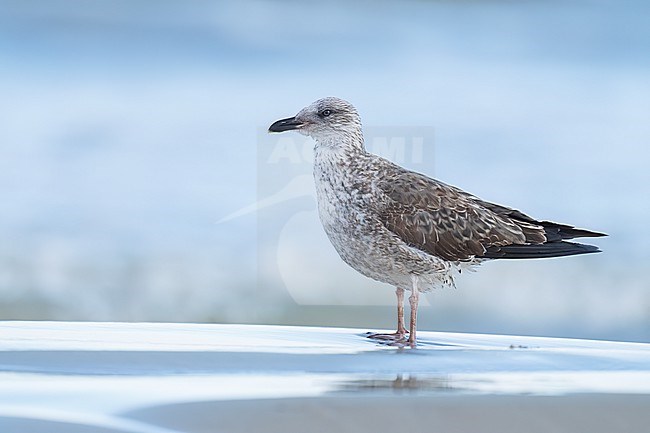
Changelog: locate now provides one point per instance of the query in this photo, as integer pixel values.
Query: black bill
(285, 125)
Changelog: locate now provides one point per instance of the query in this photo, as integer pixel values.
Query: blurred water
(129, 128)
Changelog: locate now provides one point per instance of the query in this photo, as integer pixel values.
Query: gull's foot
(392, 339)
(391, 336)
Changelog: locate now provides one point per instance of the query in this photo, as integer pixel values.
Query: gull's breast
(347, 213)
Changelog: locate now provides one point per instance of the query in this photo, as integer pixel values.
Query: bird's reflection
(401, 383)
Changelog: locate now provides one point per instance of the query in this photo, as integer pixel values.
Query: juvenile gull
(404, 228)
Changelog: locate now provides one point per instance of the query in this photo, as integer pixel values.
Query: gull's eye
(325, 113)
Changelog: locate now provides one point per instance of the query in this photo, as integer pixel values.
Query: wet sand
(450, 413)
(59, 377)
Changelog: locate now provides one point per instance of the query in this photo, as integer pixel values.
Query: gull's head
(328, 121)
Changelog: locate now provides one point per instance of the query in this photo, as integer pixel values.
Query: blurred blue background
(130, 129)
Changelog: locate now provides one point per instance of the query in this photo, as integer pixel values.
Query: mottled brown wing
(447, 222)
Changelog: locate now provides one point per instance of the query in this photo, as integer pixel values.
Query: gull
(403, 228)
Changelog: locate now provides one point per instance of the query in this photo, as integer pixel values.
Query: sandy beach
(165, 378)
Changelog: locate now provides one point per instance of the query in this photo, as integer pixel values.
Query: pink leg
(401, 329)
(413, 300)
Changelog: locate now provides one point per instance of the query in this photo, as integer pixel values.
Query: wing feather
(447, 222)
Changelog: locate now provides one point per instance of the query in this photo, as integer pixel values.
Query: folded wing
(448, 223)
